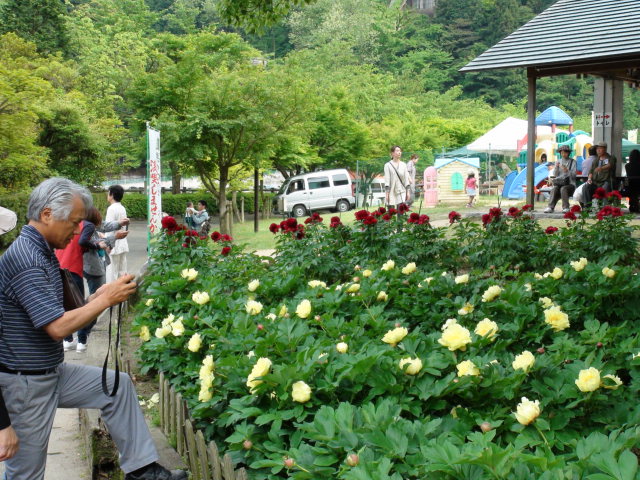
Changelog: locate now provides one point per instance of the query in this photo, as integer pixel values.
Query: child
(470, 186)
(188, 215)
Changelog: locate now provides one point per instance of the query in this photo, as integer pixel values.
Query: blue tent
(553, 116)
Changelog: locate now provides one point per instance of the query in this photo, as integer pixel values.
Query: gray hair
(57, 194)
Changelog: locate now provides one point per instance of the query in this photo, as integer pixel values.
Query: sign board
(603, 120)
(154, 189)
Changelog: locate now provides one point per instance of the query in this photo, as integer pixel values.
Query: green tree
(39, 21)
(255, 15)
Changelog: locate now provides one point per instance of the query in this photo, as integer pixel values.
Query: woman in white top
(396, 179)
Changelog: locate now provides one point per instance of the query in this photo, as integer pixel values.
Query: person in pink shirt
(470, 186)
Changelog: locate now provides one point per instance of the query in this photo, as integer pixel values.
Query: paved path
(67, 458)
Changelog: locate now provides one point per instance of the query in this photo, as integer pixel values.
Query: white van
(376, 195)
(328, 189)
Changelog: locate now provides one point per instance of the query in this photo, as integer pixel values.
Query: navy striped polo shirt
(30, 298)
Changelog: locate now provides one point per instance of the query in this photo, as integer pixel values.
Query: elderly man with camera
(564, 180)
(34, 378)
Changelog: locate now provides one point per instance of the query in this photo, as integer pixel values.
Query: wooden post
(201, 446)
(194, 466)
(180, 425)
(242, 208)
(531, 134)
(256, 205)
(214, 461)
(173, 415)
(165, 408)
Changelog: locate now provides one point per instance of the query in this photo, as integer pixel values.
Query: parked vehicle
(328, 189)
(375, 196)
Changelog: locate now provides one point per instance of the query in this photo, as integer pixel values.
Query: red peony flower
(413, 218)
(226, 238)
(371, 220)
(486, 219)
(454, 216)
(551, 230)
(495, 212)
(386, 217)
(600, 193)
(514, 212)
(614, 194)
(169, 223)
(215, 236)
(423, 219)
(225, 250)
(362, 214)
(403, 208)
(570, 216)
(392, 211)
(335, 222)
(382, 210)
(273, 228)
(576, 209)
(528, 207)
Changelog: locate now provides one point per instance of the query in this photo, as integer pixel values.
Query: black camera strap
(116, 381)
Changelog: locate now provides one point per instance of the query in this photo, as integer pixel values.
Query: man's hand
(121, 234)
(117, 291)
(8, 443)
(124, 222)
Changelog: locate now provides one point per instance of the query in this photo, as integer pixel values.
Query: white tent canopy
(503, 138)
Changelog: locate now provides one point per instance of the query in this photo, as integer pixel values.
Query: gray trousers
(565, 192)
(32, 401)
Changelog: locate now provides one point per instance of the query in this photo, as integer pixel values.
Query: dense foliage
(391, 351)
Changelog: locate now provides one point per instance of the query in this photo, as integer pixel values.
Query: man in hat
(602, 172)
(564, 180)
(8, 438)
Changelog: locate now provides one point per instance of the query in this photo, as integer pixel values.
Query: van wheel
(299, 211)
(343, 206)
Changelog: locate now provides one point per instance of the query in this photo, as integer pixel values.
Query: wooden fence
(204, 461)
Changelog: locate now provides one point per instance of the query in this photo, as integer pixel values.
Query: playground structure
(444, 182)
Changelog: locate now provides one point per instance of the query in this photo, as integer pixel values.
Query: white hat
(8, 220)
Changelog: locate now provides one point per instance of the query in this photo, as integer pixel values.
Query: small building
(452, 173)
(423, 6)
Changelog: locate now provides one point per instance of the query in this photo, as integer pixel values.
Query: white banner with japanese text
(154, 189)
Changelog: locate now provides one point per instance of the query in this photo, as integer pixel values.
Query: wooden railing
(203, 460)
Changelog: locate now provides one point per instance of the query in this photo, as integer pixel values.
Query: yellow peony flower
(177, 328)
(455, 337)
(303, 310)
(253, 285)
(409, 268)
(588, 380)
(149, 302)
(382, 296)
(145, 335)
(546, 302)
(300, 392)
(271, 316)
(283, 311)
(353, 288)
(205, 395)
(252, 307)
(189, 274)
(486, 328)
(367, 273)
(395, 336)
(200, 297)
(580, 264)
(491, 293)
(169, 320)
(448, 323)
(466, 309)
(527, 411)
(524, 361)
(612, 383)
(467, 368)
(342, 347)
(462, 279)
(208, 363)
(316, 284)
(388, 265)
(608, 272)
(260, 369)
(163, 331)
(414, 365)
(556, 318)
(527, 287)
(206, 377)
(195, 342)
(557, 273)
(537, 276)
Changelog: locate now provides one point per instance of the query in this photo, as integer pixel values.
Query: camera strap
(116, 381)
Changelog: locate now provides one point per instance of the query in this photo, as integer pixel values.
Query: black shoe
(157, 472)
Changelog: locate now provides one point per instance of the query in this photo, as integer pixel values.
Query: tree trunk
(222, 198)
(176, 177)
(234, 206)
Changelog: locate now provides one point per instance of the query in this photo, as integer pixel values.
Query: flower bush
(538, 378)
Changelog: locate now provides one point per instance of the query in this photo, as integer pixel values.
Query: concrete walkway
(67, 458)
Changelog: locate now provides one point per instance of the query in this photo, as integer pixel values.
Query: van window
(318, 182)
(296, 186)
(340, 179)
(377, 187)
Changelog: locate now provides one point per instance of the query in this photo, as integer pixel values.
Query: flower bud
(540, 350)
(247, 444)
(599, 345)
(353, 459)
(289, 462)
(486, 427)
(260, 326)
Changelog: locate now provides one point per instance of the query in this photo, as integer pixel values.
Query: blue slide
(515, 190)
(508, 181)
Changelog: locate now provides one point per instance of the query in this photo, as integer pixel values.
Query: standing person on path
(471, 186)
(118, 253)
(34, 379)
(396, 179)
(411, 171)
(9, 443)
